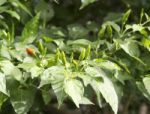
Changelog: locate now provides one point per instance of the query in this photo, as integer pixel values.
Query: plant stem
(126, 106)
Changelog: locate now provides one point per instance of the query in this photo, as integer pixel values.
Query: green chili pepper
(57, 55)
(41, 47)
(88, 51)
(109, 30)
(82, 55)
(75, 63)
(64, 58)
(71, 57)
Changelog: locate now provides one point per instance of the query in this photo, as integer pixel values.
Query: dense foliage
(63, 49)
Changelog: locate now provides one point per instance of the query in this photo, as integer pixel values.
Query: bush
(61, 49)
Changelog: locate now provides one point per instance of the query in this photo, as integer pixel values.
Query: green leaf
(131, 48)
(142, 88)
(75, 90)
(3, 9)
(146, 43)
(13, 14)
(30, 31)
(113, 16)
(86, 78)
(4, 52)
(60, 43)
(82, 42)
(58, 87)
(36, 71)
(3, 84)
(46, 96)
(3, 98)
(22, 6)
(57, 82)
(122, 76)
(92, 71)
(137, 27)
(77, 31)
(109, 30)
(32, 68)
(86, 2)
(56, 1)
(2, 2)
(126, 16)
(46, 10)
(16, 54)
(22, 99)
(146, 82)
(26, 65)
(107, 64)
(50, 74)
(3, 23)
(85, 101)
(55, 76)
(105, 87)
(10, 70)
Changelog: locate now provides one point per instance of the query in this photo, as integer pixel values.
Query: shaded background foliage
(59, 23)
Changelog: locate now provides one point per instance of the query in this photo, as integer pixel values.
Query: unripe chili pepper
(101, 33)
(41, 47)
(109, 30)
(75, 63)
(88, 51)
(82, 55)
(57, 55)
(71, 57)
(64, 58)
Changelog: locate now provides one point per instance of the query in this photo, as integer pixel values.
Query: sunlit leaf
(32, 68)
(86, 2)
(4, 52)
(3, 88)
(142, 88)
(75, 90)
(2, 2)
(30, 31)
(146, 43)
(146, 82)
(13, 14)
(22, 6)
(22, 99)
(83, 42)
(10, 70)
(107, 64)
